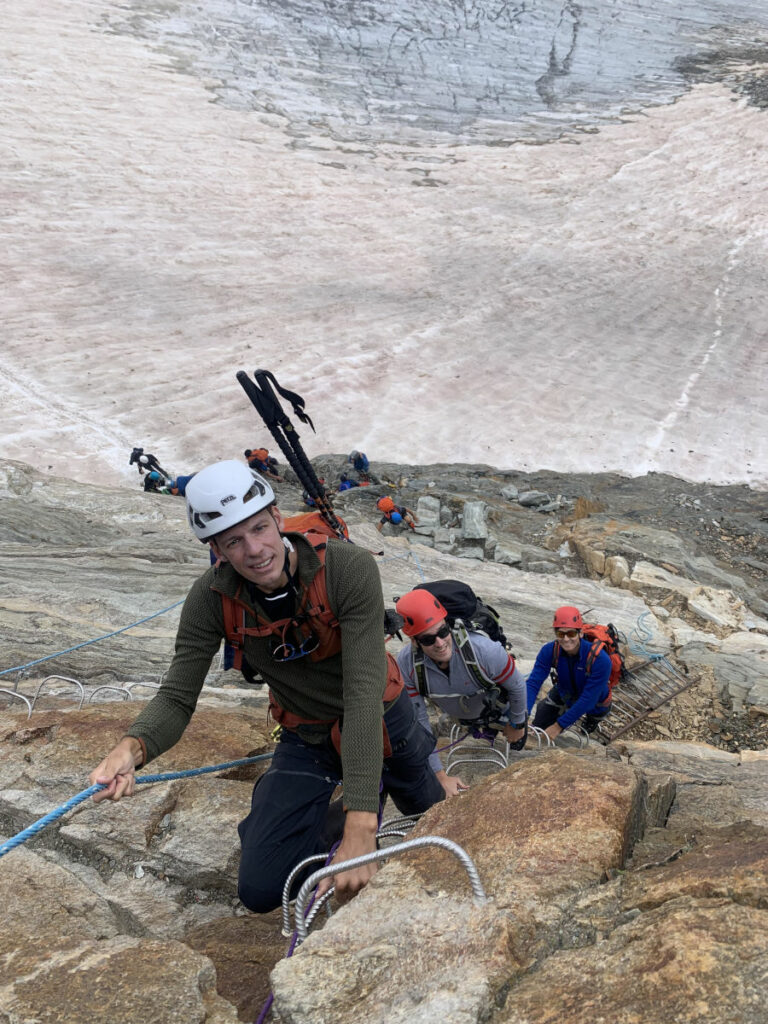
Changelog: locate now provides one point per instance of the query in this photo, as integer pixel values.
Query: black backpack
(461, 602)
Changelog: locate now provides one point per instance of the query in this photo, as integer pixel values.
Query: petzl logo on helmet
(229, 497)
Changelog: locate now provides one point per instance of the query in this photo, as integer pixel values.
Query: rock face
(647, 858)
(633, 552)
(652, 859)
(563, 928)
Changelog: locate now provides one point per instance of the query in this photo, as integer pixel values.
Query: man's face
(254, 548)
(569, 639)
(436, 646)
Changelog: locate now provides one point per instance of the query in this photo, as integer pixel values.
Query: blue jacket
(579, 691)
(361, 463)
(181, 483)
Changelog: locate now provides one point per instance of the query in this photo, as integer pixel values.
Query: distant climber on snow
(264, 463)
(581, 680)
(397, 515)
(462, 672)
(309, 501)
(145, 461)
(153, 482)
(179, 485)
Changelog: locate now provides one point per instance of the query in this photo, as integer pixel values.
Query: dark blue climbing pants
(291, 814)
(549, 710)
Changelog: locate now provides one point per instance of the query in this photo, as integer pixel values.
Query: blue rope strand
(418, 566)
(86, 643)
(41, 823)
(411, 554)
(642, 634)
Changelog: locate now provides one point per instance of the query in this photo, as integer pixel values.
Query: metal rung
(129, 686)
(115, 689)
(574, 736)
(494, 757)
(479, 749)
(18, 696)
(64, 679)
(478, 891)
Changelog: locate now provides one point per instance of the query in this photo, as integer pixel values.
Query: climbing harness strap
(392, 690)
(313, 616)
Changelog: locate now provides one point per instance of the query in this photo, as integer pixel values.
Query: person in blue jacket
(576, 692)
(345, 484)
(359, 461)
(179, 485)
(362, 466)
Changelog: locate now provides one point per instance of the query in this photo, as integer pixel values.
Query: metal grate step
(644, 689)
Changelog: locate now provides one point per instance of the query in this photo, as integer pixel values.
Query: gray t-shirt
(457, 692)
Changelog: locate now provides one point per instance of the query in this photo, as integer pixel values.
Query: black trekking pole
(280, 427)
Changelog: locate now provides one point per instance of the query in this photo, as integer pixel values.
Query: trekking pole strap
(265, 379)
(267, 405)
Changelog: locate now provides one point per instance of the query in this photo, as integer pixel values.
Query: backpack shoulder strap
(467, 652)
(231, 612)
(555, 658)
(594, 650)
(420, 671)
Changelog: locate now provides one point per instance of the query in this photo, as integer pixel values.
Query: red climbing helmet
(385, 504)
(420, 610)
(567, 617)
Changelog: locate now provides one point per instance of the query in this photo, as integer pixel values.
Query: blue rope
(411, 554)
(418, 566)
(643, 635)
(86, 643)
(41, 823)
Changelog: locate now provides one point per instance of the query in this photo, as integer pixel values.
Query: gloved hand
(516, 744)
(393, 623)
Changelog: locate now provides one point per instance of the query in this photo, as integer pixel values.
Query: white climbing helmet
(223, 495)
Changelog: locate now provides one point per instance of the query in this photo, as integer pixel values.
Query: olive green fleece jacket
(349, 684)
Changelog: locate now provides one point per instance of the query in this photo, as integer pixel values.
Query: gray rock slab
(428, 510)
(473, 524)
(530, 499)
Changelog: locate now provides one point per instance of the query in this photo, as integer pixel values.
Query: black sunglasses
(428, 639)
(561, 634)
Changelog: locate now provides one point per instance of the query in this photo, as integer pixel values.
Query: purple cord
(265, 1009)
(454, 744)
(268, 1005)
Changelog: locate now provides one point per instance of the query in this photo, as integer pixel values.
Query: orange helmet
(420, 609)
(567, 617)
(385, 504)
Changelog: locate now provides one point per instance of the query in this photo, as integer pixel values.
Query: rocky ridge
(647, 857)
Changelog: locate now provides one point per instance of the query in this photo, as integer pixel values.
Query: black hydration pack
(462, 604)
